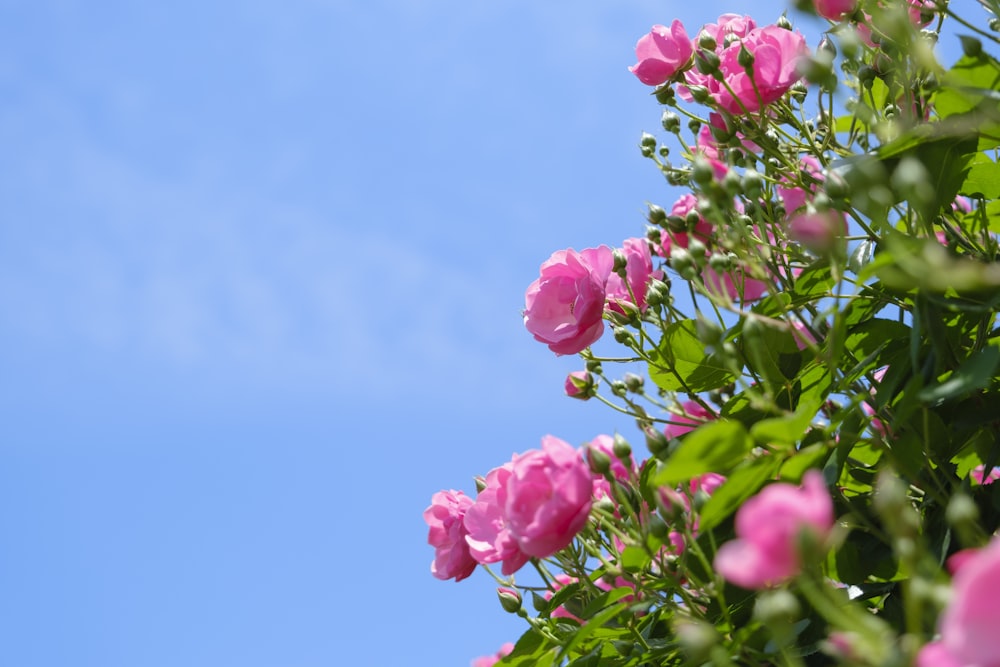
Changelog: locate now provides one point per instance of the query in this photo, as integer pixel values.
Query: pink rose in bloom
(695, 414)
(488, 535)
(776, 53)
(765, 552)
(638, 271)
(835, 10)
(548, 497)
(662, 54)
(490, 660)
(565, 306)
(729, 28)
(968, 625)
(734, 284)
(702, 230)
(452, 559)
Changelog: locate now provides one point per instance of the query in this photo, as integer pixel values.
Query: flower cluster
(808, 331)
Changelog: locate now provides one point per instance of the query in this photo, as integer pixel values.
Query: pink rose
(776, 53)
(452, 559)
(662, 54)
(795, 197)
(702, 230)
(487, 531)
(490, 660)
(835, 10)
(765, 552)
(548, 497)
(819, 231)
(969, 624)
(695, 414)
(565, 306)
(638, 271)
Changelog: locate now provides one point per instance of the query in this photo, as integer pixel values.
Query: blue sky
(261, 273)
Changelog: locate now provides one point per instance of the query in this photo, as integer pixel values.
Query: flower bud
(599, 462)
(656, 215)
(581, 385)
(671, 122)
(634, 382)
(706, 41)
(665, 95)
(745, 58)
(594, 366)
(699, 94)
(510, 600)
(702, 171)
(618, 387)
(706, 62)
(826, 44)
(621, 448)
(783, 22)
(656, 442)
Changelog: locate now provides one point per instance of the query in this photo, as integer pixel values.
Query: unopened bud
(706, 41)
(671, 122)
(510, 600)
(634, 382)
(599, 462)
(581, 385)
(656, 442)
(621, 448)
(745, 57)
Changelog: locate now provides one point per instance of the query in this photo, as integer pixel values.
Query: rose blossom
(730, 27)
(452, 559)
(565, 306)
(662, 53)
(980, 476)
(488, 534)
(819, 231)
(795, 197)
(835, 10)
(969, 622)
(638, 271)
(702, 229)
(580, 384)
(490, 660)
(548, 497)
(776, 53)
(765, 552)
(695, 414)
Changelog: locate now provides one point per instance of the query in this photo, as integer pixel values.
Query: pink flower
(734, 283)
(795, 197)
(565, 306)
(606, 445)
(980, 476)
(835, 10)
(765, 552)
(548, 497)
(702, 229)
(819, 231)
(695, 414)
(490, 660)
(776, 53)
(580, 384)
(662, 54)
(488, 534)
(638, 271)
(969, 624)
(452, 559)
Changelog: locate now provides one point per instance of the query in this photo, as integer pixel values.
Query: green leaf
(681, 363)
(634, 558)
(763, 346)
(976, 372)
(983, 178)
(593, 624)
(743, 483)
(713, 447)
(787, 429)
(812, 456)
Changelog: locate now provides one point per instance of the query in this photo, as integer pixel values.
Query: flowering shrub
(811, 355)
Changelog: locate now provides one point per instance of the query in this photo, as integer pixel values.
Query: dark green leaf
(713, 447)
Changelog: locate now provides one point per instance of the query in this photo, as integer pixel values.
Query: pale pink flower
(488, 534)
(638, 271)
(968, 625)
(794, 197)
(662, 54)
(702, 230)
(565, 306)
(490, 660)
(447, 533)
(766, 552)
(548, 497)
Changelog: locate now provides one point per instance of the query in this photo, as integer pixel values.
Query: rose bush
(807, 342)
